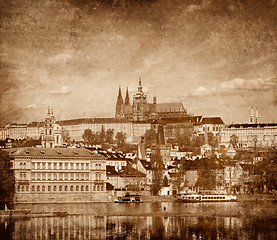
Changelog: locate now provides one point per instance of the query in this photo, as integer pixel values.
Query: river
(164, 220)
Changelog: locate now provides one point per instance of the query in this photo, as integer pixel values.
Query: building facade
(58, 175)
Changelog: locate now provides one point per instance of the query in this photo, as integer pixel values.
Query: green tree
(7, 180)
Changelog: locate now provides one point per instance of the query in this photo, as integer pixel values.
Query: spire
(127, 99)
(119, 105)
(140, 86)
(154, 98)
(251, 116)
(48, 112)
(257, 116)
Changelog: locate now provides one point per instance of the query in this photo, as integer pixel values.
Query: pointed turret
(257, 116)
(140, 86)
(251, 116)
(127, 98)
(119, 105)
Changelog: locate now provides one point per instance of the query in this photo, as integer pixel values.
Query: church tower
(251, 116)
(52, 133)
(140, 107)
(119, 111)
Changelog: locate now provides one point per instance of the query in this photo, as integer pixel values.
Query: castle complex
(141, 110)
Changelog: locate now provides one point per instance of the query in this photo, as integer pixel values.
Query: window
(27, 188)
(38, 165)
(43, 165)
(49, 176)
(77, 188)
(77, 176)
(43, 188)
(66, 166)
(38, 176)
(33, 176)
(55, 165)
(98, 188)
(33, 165)
(71, 165)
(71, 188)
(49, 166)
(82, 176)
(60, 165)
(65, 188)
(43, 176)
(55, 188)
(87, 165)
(61, 176)
(102, 188)
(77, 165)
(33, 188)
(18, 188)
(87, 188)
(82, 188)
(87, 176)
(65, 176)
(82, 165)
(49, 188)
(60, 188)
(94, 188)
(55, 176)
(38, 188)
(71, 176)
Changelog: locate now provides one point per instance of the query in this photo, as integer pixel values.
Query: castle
(141, 110)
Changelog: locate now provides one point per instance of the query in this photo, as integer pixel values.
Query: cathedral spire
(119, 105)
(127, 98)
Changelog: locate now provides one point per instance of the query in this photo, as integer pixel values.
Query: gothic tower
(140, 107)
(251, 116)
(119, 111)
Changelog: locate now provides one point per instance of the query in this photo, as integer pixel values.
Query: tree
(102, 136)
(120, 139)
(109, 136)
(65, 135)
(87, 135)
(7, 186)
(234, 140)
(150, 137)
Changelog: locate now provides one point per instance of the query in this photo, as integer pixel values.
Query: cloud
(238, 85)
(193, 8)
(62, 91)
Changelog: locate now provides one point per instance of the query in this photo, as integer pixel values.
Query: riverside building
(58, 175)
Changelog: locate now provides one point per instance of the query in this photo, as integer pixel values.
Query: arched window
(98, 188)
(94, 188)
(102, 188)
(71, 188)
(77, 188)
(22, 188)
(55, 188)
(60, 188)
(43, 188)
(82, 188)
(87, 189)
(18, 188)
(38, 188)
(27, 188)
(33, 188)
(65, 188)
(50, 131)
(49, 188)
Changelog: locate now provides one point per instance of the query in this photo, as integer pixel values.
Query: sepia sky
(216, 57)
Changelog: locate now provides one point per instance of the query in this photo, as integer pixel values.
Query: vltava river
(166, 220)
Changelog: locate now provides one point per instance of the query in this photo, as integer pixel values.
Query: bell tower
(140, 105)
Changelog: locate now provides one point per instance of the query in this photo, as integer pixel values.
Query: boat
(133, 198)
(196, 198)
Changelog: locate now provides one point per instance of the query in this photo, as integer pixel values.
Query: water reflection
(136, 227)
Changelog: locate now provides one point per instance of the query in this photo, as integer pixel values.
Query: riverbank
(241, 198)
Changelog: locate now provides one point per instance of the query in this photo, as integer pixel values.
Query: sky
(216, 57)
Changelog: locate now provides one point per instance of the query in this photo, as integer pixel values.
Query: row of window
(61, 165)
(62, 176)
(43, 188)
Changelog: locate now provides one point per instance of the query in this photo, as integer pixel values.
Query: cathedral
(141, 110)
